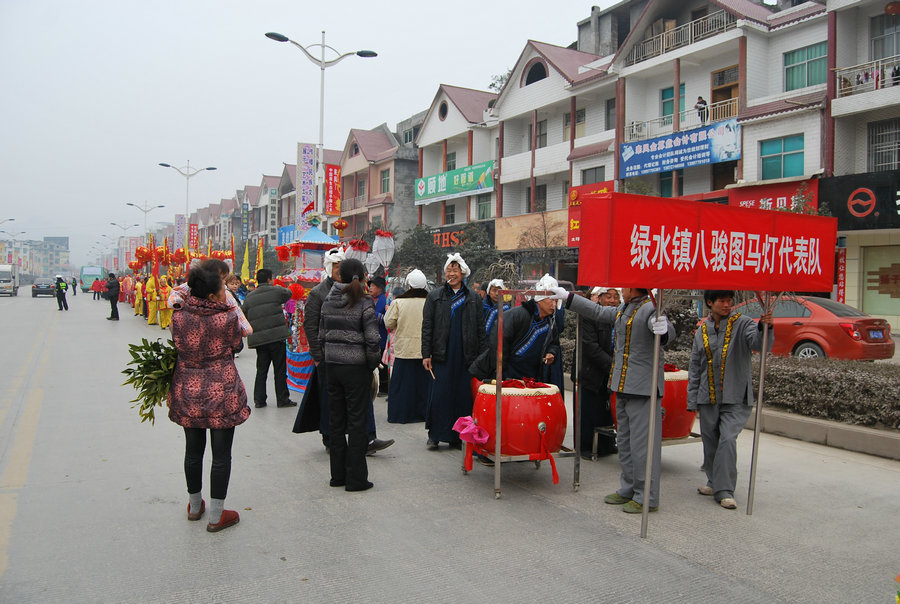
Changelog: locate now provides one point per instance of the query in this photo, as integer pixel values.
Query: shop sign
(777, 196)
(462, 182)
(306, 183)
(842, 275)
(575, 196)
(180, 231)
(452, 235)
(640, 241)
(863, 201)
(332, 190)
(245, 221)
(718, 142)
(193, 237)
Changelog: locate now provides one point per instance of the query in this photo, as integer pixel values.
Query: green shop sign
(471, 180)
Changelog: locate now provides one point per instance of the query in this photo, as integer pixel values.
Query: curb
(871, 441)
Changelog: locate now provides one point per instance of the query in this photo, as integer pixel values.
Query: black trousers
(276, 355)
(61, 301)
(348, 395)
(114, 308)
(220, 473)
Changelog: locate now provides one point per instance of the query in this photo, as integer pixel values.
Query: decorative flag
(232, 249)
(245, 268)
(259, 254)
(209, 248)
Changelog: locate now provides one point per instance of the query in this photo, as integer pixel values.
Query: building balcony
(354, 203)
(689, 119)
(866, 77)
(679, 37)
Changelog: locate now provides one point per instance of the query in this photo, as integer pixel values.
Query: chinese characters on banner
(718, 142)
(306, 184)
(778, 196)
(332, 190)
(245, 221)
(193, 237)
(842, 275)
(638, 241)
(575, 196)
(462, 182)
(180, 231)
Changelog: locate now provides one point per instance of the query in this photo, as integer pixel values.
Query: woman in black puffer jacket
(348, 333)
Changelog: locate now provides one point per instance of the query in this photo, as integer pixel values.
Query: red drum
(677, 420)
(524, 409)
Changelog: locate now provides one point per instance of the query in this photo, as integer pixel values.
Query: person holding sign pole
(635, 328)
(720, 387)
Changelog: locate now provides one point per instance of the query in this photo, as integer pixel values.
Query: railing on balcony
(866, 77)
(689, 119)
(694, 31)
(354, 203)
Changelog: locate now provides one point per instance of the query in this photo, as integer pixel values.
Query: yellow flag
(209, 248)
(245, 268)
(259, 255)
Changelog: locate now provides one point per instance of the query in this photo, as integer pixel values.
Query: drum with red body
(524, 410)
(677, 420)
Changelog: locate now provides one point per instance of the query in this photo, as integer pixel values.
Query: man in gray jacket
(635, 326)
(720, 387)
(264, 309)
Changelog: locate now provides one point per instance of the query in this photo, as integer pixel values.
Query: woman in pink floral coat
(206, 392)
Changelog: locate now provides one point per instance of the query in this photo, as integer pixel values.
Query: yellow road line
(17, 382)
(16, 472)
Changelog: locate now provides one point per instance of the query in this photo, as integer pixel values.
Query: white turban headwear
(545, 283)
(462, 264)
(416, 279)
(496, 283)
(335, 254)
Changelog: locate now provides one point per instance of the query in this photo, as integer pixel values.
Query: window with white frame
(579, 124)
(805, 66)
(667, 101)
(884, 145)
(781, 157)
(386, 181)
(885, 33)
(449, 213)
(451, 160)
(592, 175)
(483, 203)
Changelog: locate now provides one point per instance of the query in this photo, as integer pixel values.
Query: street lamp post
(146, 209)
(188, 173)
(322, 63)
(5, 220)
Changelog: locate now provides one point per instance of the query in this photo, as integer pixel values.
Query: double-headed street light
(322, 63)
(146, 209)
(4, 220)
(188, 173)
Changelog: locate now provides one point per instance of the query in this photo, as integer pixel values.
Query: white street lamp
(5, 220)
(146, 209)
(188, 173)
(124, 227)
(322, 63)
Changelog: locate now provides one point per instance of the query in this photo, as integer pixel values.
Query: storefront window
(881, 280)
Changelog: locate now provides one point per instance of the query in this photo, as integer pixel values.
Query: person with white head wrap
(459, 260)
(530, 339)
(490, 303)
(410, 382)
(334, 256)
(452, 338)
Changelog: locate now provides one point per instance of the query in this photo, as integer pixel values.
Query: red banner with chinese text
(193, 237)
(638, 241)
(576, 194)
(842, 275)
(332, 190)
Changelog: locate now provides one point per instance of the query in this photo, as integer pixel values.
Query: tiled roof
(778, 19)
(203, 214)
(565, 60)
(373, 144)
(251, 194)
(291, 170)
(592, 149)
(333, 157)
(213, 215)
(471, 103)
(228, 206)
(270, 182)
(803, 101)
(745, 9)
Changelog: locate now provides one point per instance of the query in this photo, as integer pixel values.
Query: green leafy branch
(151, 376)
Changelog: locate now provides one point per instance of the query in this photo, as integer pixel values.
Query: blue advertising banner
(287, 234)
(718, 142)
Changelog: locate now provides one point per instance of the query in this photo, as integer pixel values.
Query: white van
(9, 279)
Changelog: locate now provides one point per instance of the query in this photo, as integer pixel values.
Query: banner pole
(757, 424)
(654, 401)
(576, 401)
(499, 392)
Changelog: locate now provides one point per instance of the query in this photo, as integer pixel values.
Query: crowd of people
(422, 350)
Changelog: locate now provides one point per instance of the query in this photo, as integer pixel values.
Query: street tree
(477, 249)
(542, 241)
(419, 250)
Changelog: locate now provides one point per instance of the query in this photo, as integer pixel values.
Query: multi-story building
(863, 121)
(457, 162)
(265, 215)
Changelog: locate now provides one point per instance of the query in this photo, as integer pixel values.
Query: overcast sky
(96, 93)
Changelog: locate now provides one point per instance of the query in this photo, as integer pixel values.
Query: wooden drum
(524, 412)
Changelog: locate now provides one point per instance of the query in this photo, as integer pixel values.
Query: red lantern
(179, 256)
(297, 291)
(892, 8)
(143, 254)
(164, 259)
(284, 253)
(340, 224)
(296, 249)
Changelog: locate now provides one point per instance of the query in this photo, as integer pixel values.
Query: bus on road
(88, 275)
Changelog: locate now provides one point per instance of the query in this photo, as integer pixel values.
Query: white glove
(659, 326)
(559, 293)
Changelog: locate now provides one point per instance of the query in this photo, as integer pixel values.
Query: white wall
(434, 130)
(765, 59)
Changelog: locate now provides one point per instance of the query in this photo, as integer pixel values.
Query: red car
(810, 328)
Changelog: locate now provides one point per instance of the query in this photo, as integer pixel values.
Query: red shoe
(199, 514)
(229, 518)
